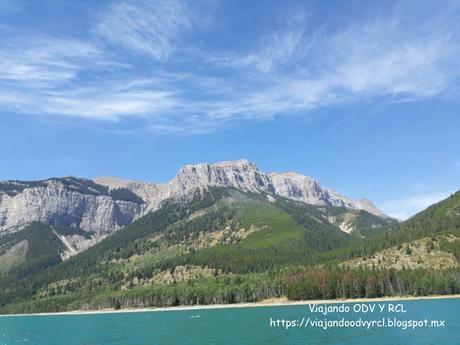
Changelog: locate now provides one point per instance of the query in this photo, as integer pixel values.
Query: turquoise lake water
(237, 326)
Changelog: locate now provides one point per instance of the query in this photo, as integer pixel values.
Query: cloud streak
(45, 60)
(181, 85)
(276, 49)
(381, 58)
(149, 27)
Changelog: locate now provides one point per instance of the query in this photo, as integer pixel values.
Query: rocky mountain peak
(105, 204)
(240, 174)
(244, 175)
(368, 206)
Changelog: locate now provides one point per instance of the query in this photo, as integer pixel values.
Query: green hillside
(227, 246)
(41, 246)
(440, 219)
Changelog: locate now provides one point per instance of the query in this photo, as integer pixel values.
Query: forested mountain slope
(225, 245)
(98, 208)
(437, 222)
(215, 231)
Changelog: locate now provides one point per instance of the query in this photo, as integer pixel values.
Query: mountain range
(103, 205)
(215, 233)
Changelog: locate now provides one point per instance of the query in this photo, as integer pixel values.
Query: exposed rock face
(106, 204)
(239, 174)
(306, 189)
(74, 244)
(243, 175)
(367, 205)
(64, 202)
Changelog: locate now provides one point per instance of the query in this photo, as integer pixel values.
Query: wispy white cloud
(43, 60)
(393, 57)
(387, 58)
(286, 95)
(293, 69)
(408, 206)
(151, 27)
(110, 103)
(45, 77)
(275, 49)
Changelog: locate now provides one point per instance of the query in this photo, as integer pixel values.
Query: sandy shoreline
(274, 302)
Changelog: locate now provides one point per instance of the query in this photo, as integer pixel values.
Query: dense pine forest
(228, 246)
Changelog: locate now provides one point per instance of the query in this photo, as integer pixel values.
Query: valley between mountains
(216, 233)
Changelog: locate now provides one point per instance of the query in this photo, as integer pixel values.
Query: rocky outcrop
(101, 206)
(243, 175)
(239, 174)
(71, 202)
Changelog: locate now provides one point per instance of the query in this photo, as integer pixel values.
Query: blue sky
(361, 95)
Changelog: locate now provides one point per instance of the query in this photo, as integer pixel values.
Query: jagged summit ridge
(240, 174)
(244, 175)
(105, 204)
(94, 205)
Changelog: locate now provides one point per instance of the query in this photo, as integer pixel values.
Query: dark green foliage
(317, 283)
(83, 186)
(369, 225)
(241, 259)
(225, 289)
(43, 251)
(43, 243)
(117, 305)
(77, 184)
(408, 250)
(290, 236)
(451, 247)
(14, 187)
(430, 246)
(189, 230)
(294, 251)
(322, 235)
(23, 282)
(9, 240)
(440, 219)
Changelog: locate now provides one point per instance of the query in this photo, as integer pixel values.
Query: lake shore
(273, 302)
